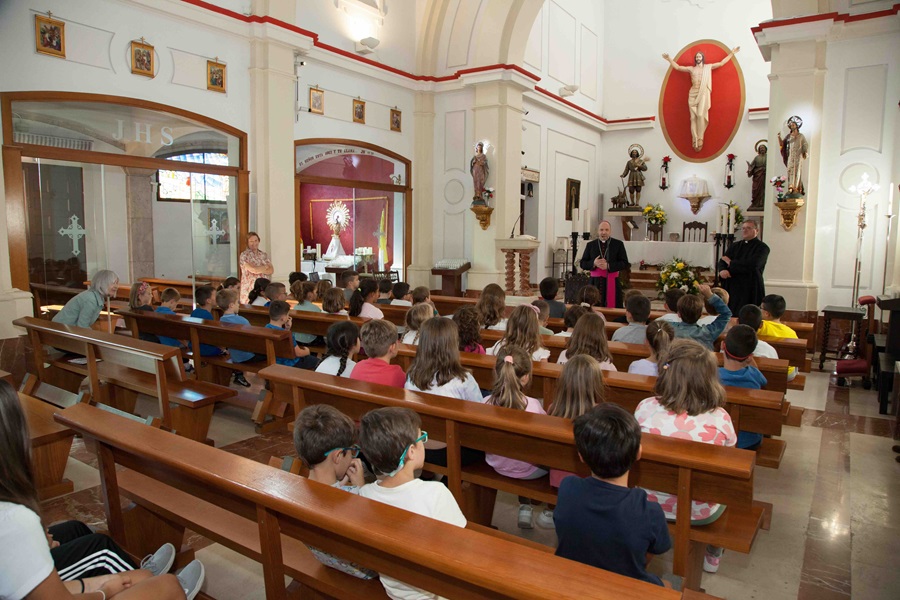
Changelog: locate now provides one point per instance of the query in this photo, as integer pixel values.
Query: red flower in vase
(731, 157)
(667, 159)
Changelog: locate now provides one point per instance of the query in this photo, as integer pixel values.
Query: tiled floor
(836, 517)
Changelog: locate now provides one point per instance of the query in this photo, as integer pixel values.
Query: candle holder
(575, 235)
(722, 241)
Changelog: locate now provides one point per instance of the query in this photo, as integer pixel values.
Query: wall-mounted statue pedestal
(524, 248)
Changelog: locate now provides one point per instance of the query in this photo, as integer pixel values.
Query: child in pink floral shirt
(689, 405)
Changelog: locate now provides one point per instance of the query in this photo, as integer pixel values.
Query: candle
(891, 201)
(575, 216)
(318, 251)
(587, 219)
(721, 224)
(731, 217)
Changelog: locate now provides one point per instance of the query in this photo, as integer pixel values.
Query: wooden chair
(655, 232)
(690, 232)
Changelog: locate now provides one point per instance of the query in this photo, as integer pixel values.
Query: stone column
(139, 204)
(423, 184)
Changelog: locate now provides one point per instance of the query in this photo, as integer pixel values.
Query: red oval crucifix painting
(702, 100)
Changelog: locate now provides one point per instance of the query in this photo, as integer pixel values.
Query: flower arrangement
(664, 173)
(778, 184)
(677, 274)
(654, 214)
(729, 171)
(738, 214)
(488, 195)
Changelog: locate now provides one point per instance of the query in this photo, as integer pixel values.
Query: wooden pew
(268, 515)
(554, 343)
(688, 469)
(50, 445)
(119, 368)
(302, 321)
(185, 288)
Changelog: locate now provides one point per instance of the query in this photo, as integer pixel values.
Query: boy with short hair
(323, 438)
(349, 281)
(296, 276)
(710, 309)
(384, 291)
(394, 444)
(280, 318)
(751, 315)
(423, 294)
(229, 302)
(672, 298)
(379, 340)
(690, 307)
(168, 301)
(275, 291)
(205, 297)
(630, 293)
(543, 316)
(600, 521)
(773, 307)
(549, 288)
(637, 311)
(401, 295)
(739, 370)
(573, 313)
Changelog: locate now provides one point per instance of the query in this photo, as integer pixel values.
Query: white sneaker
(711, 561)
(545, 519)
(191, 579)
(526, 517)
(161, 561)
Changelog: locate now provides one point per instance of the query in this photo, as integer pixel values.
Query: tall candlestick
(575, 218)
(731, 217)
(318, 251)
(587, 219)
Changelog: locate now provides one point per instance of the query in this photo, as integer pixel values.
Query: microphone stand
(511, 231)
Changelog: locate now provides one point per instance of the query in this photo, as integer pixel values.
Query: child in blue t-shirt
(205, 296)
(280, 318)
(167, 303)
(739, 371)
(227, 300)
(600, 521)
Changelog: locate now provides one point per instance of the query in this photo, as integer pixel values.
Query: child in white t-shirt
(523, 330)
(659, 335)
(342, 340)
(589, 337)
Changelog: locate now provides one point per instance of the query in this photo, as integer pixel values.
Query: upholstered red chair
(861, 366)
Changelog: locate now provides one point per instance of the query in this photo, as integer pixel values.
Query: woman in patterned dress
(254, 264)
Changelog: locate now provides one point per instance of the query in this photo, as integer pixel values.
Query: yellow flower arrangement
(678, 274)
(654, 214)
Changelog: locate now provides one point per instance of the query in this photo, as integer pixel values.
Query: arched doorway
(365, 188)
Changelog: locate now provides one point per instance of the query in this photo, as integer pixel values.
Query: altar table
(696, 254)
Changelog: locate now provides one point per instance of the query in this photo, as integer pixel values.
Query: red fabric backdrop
(726, 110)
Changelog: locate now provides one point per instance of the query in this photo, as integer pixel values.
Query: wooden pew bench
(268, 515)
(50, 445)
(688, 469)
(119, 369)
(302, 321)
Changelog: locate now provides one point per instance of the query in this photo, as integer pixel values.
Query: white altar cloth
(696, 254)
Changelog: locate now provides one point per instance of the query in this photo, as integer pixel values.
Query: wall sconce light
(695, 191)
(568, 90)
(367, 45)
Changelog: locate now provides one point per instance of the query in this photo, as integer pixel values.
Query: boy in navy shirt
(167, 303)
(600, 521)
(740, 371)
(205, 297)
(227, 300)
(549, 288)
(280, 318)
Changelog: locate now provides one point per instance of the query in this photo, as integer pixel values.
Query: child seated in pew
(324, 439)
(423, 294)
(739, 370)
(436, 370)
(333, 301)
(688, 403)
(296, 276)
(690, 307)
(321, 287)
(637, 313)
(589, 337)
(671, 304)
(349, 281)
(280, 318)
(168, 301)
(711, 312)
(600, 521)
(393, 442)
(573, 313)
(140, 298)
(384, 291)
(589, 297)
(401, 294)
(379, 340)
(362, 302)
(751, 315)
(257, 295)
(304, 292)
(512, 375)
(625, 297)
(468, 324)
(523, 330)
(230, 283)
(342, 341)
(415, 318)
(491, 305)
(549, 288)
(659, 335)
(275, 291)
(773, 307)
(543, 316)
(228, 302)
(205, 297)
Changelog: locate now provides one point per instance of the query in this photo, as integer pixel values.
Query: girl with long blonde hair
(523, 330)
(589, 337)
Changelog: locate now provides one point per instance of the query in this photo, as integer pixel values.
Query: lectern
(451, 279)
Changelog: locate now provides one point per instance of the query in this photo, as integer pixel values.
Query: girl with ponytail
(362, 302)
(659, 335)
(342, 341)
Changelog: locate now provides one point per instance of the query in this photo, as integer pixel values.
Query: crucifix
(214, 233)
(75, 232)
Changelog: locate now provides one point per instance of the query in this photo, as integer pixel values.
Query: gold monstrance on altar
(338, 218)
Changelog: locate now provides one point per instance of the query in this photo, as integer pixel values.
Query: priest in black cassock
(741, 269)
(604, 258)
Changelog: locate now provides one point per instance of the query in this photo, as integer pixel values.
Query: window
(183, 186)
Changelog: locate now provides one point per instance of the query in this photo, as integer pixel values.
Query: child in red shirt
(379, 340)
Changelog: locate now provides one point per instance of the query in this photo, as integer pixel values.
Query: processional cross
(75, 232)
(214, 233)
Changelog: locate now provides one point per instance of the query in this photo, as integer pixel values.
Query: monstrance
(338, 219)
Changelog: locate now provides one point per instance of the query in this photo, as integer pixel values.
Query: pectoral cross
(214, 232)
(74, 231)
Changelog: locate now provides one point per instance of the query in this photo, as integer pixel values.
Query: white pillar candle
(575, 217)
(318, 251)
(891, 201)
(731, 217)
(587, 219)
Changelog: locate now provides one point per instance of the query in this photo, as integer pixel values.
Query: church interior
(451, 145)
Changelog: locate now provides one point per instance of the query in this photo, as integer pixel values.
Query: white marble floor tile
(82, 475)
(231, 576)
(814, 394)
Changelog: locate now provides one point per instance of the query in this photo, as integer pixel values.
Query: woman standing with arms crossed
(254, 263)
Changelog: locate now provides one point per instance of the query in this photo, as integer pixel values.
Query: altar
(697, 254)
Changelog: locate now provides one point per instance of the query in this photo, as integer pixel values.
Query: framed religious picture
(215, 76)
(49, 35)
(573, 196)
(142, 61)
(359, 111)
(396, 119)
(317, 101)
